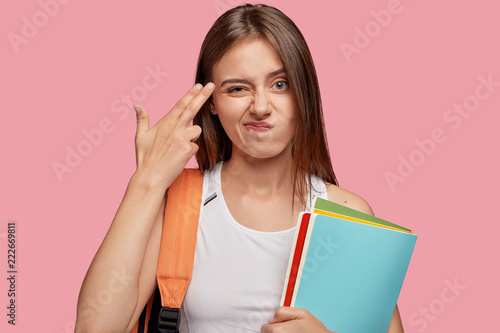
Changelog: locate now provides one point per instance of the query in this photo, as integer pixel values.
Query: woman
(259, 138)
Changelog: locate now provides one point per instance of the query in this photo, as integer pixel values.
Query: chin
(256, 153)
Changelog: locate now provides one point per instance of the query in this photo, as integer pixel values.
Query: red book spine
(299, 247)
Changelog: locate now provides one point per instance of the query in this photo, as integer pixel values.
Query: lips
(258, 126)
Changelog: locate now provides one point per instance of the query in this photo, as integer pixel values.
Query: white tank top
(238, 273)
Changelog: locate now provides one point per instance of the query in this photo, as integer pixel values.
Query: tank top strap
(317, 188)
(211, 182)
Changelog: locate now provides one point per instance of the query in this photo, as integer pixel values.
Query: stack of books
(347, 267)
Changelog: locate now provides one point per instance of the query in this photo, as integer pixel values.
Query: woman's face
(254, 101)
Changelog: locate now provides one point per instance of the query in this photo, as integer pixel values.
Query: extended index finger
(197, 102)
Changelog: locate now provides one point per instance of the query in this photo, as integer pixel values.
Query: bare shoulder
(347, 198)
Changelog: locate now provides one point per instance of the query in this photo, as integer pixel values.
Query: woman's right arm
(121, 277)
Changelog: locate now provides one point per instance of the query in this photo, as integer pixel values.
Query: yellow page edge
(353, 219)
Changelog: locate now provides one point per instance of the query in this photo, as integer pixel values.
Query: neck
(262, 176)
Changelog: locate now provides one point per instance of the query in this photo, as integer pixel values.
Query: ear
(211, 106)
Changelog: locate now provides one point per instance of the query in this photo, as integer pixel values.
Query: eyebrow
(270, 75)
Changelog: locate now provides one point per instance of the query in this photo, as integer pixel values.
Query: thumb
(285, 313)
(142, 121)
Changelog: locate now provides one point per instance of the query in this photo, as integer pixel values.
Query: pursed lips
(259, 126)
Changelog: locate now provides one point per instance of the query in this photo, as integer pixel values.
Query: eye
(281, 85)
(235, 90)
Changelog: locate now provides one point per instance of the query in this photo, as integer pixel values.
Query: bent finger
(194, 133)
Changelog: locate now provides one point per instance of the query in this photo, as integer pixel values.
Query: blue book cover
(351, 274)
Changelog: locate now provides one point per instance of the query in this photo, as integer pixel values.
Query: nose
(261, 105)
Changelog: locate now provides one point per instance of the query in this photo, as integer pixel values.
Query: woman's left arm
(395, 326)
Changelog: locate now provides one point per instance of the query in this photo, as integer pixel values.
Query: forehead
(249, 59)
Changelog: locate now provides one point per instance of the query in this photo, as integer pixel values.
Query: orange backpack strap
(178, 242)
(175, 263)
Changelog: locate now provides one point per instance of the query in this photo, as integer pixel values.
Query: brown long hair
(310, 152)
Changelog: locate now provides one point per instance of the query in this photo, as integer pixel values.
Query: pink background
(69, 75)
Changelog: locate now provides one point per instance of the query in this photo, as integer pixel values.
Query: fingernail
(198, 87)
(137, 108)
(210, 86)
